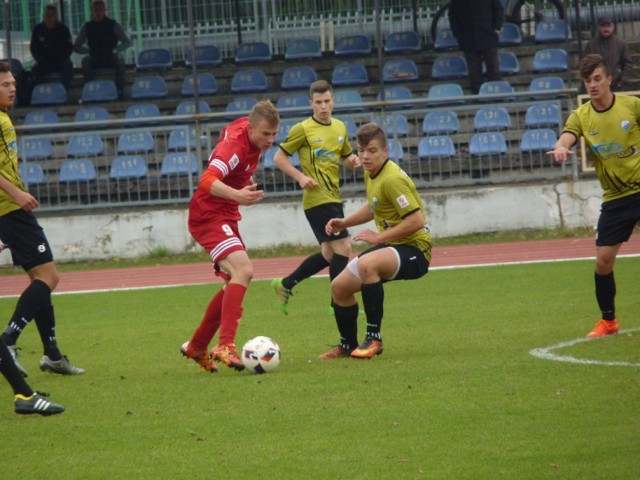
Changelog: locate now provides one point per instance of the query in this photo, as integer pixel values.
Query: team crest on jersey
(340, 140)
(233, 163)
(374, 200)
(593, 134)
(625, 124)
(402, 201)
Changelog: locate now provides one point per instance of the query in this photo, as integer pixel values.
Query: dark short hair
(5, 67)
(369, 132)
(590, 62)
(320, 86)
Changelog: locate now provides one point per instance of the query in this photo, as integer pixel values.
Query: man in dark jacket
(51, 47)
(615, 50)
(106, 39)
(476, 25)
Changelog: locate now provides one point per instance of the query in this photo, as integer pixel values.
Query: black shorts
(413, 263)
(24, 236)
(617, 220)
(319, 216)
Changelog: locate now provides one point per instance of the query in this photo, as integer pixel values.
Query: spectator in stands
(24, 237)
(615, 50)
(476, 25)
(226, 184)
(610, 126)
(51, 47)
(322, 143)
(105, 40)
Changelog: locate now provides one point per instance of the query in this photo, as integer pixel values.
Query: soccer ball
(261, 355)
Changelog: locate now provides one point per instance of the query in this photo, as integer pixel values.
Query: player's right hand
(26, 201)
(250, 195)
(560, 154)
(335, 225)
(307, 183)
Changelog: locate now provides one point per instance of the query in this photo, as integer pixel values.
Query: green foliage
(456, 394)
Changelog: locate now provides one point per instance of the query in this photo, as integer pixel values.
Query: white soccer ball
(261, 355)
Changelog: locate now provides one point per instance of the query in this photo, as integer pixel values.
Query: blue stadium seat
(550, 60)
(552, 30)
(178, 139)
(35, 148)
(401, 70)
(449, 66)
(91, 114)
(397, 94)
(538, 139)
(542, 115)
(436, 146)
(205, 56)
(352, 128)
(142, 110)
(253, 80)
(545, 85)
(394, 124)
(268, 162)
(352, 45)
(41, 117)
(446, 93)
(133, 141)
(153, 86)
(298, 101)
(349, 74)
(31, 173)
(348, 101)
(188, 107)
(509, 64)
(440, 122)
(402, 42)
(496, 87)
(510, 35)
(154, 59)
(78, 170)
(487, 143)
(48, 94)
(85, 144)
(179, 163)
(128, 166)
(99, 91)
(253, 52)
(302, 48)
(445, 40)
(298, 77)
(396, 152)
(491, 118)
(207, 85)
(240, 107)
(285, 126)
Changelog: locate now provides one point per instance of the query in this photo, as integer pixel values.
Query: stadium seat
(440, 122)
(352, 128)
(544, 85)
(99, 91)
(510, 35)
(491, 118)
(436, 146)
(85, 144)
(207, 85)
(132, 141)
(446, 93)
(153, 86)
(445, 40)
(31, 173)
(402, 42)
(253, 80)
(49, 94)
(285, 126)
(550, 60)
(298, 77)
(251, 52)
(394, 124)
(240, 107)
(542, 115)
(352, 45)
(396, 152)
(128, 166)
(397, 94)
(552, 30)
(179, 163)
(268, 162)
(449, 66)
(348, 101)
(78, 170)
(41, 117)
(349, 74)
(91, 114)
(178, 139)
(188, 107)
(205, 56)
(495, 87)
(32, 148)
(142, 110)
(487, 143)
(509, 64)
(537, 140)
(302, 48)
(295, 101)
(154, 59)
(400, 70)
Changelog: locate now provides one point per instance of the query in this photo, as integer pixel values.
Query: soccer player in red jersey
(213, 222)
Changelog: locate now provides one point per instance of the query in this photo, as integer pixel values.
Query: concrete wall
(451, 212)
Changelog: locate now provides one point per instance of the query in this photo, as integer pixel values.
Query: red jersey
(234, 159)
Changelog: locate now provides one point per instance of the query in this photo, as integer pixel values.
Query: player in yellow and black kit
(401, 245)
(610, 125)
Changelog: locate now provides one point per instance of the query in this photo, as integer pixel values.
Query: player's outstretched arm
(562, 150)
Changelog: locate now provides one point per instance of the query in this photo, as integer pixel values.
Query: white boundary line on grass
(546, 353)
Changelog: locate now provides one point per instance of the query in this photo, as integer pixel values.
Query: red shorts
(219, 239)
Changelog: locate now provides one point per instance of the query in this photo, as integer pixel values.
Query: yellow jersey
(8, 163)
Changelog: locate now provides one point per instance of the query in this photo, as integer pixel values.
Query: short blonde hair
(264, 110)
